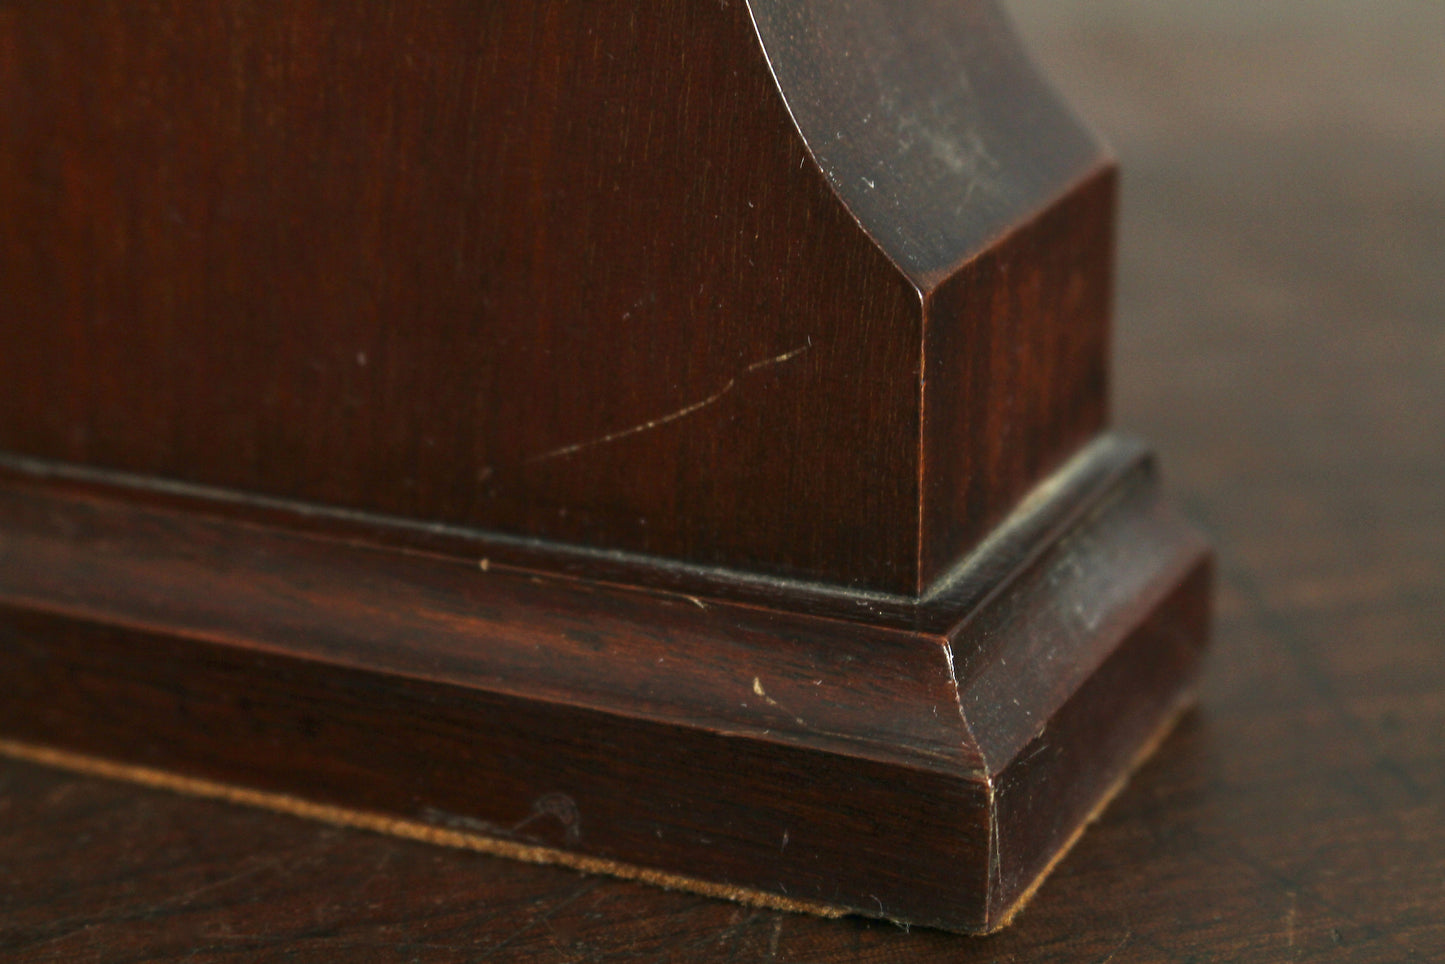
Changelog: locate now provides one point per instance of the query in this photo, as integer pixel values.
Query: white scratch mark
(1128, 937)
(778, 360)
(697, 602)
(1042, 747)
(995, 861)
(683, 412)
(557, 806)
(1289, 919)
(758, 689)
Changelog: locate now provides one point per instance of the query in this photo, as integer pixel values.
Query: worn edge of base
(150, 777)
(480, 841)
(1168, 724)
(158, 779)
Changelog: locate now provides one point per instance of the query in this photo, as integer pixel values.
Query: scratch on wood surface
(758, 689)
(779, 359)
(248, 869)
(995, 861)
(683, 412)
(559, 807)
(1040, 747)
(776, 936)
(572, 896)
(662, 420)
(1127, 940)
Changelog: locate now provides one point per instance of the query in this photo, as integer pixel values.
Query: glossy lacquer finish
(924, 765)
(664, 440)
(1279, 337)
(621, 275)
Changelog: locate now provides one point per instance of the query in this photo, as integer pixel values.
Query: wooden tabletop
(1281, 337)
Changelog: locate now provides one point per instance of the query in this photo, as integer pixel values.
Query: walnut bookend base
(922, 760)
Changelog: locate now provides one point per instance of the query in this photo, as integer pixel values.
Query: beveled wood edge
(1009, 913)
(913, 668)
(988, 918)
(265, 590)
(1124, 557)
(834, 98)
(1100, 734)
(1052, 506)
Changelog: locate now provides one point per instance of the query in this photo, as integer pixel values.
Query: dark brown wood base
(921, 760)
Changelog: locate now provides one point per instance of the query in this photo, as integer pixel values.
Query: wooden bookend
(663, 439)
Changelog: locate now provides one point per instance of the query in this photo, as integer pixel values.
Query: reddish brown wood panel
(1019, 332)
(557, 269)
(851, 759)
(1279, 339)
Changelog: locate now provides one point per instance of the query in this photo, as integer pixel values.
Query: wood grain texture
(925, 766)
(432, 410)
(562, 270)
(1279, 338)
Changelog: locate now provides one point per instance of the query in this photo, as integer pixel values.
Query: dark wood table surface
(1281, 337)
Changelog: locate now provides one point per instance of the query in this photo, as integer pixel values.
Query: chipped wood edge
(91, 766)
